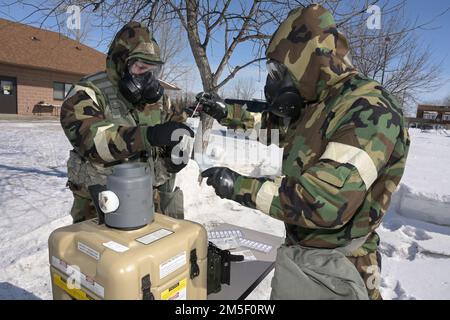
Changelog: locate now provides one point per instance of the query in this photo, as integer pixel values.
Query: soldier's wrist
(247, 187)
(144, 136)
(229, 111)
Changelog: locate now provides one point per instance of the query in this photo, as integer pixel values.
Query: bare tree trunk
(198, 51)
(201, 59)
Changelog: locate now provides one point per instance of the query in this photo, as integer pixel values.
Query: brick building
(37, 68)
(429, 116)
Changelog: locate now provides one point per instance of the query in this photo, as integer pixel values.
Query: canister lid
(130, 169)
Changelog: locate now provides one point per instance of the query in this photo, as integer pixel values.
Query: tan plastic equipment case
(91, 261)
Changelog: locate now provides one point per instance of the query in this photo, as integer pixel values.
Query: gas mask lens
(275, 70)
(139, 83)
(139, 67)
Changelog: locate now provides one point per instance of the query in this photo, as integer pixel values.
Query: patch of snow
(429, 207)
(34, 201)
(427, 171)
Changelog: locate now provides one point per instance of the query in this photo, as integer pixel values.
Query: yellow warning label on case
(77, 294)
(176, 292)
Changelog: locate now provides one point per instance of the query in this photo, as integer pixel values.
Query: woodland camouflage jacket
(345, 155)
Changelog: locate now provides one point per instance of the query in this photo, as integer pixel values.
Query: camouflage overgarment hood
(313, 50)
(132, 41)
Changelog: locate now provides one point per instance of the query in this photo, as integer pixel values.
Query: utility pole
(386, 41)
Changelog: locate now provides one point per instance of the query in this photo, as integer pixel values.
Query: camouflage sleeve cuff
(246, 190)
(237, 118)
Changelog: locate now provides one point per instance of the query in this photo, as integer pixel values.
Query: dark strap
(195, 270)
(94, 191)
(146, 286)
(252, 105)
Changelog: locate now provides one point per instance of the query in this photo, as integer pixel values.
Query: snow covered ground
(34, 201)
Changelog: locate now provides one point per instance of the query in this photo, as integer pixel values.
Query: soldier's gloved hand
(177, 157)
(174, 163)
(212, 105)
(168, 134)
(222, 180)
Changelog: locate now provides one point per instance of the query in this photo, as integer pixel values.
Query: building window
(60, 90)
(446, 117)
(430, 115)
(6, 87)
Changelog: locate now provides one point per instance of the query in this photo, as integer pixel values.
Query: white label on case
(85, 281)
(89, 251)
(117, 247)
(172, 265)
(154, 236)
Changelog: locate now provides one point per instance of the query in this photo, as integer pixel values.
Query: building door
(8, 95)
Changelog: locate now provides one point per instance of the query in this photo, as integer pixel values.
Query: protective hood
(132, 41)
(312, 49)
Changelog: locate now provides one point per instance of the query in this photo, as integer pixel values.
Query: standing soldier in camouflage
(123, 115)
(345, 154)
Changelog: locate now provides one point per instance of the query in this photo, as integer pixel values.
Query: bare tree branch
(244, 88)
(218, 31)
(235, 71)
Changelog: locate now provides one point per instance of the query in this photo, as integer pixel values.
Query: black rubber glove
(170, 165)
(168, 134)
(174, 155)
(222, 180)
(212, 105)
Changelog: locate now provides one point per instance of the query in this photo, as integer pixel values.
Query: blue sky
(438, 39)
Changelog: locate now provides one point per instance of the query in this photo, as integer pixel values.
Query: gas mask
(281, 93)
(141, 88)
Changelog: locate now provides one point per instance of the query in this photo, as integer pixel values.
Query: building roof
(169, 86)
(427, 107)
(28, 46)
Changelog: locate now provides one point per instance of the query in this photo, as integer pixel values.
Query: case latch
(146, 286)
(195, 270)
